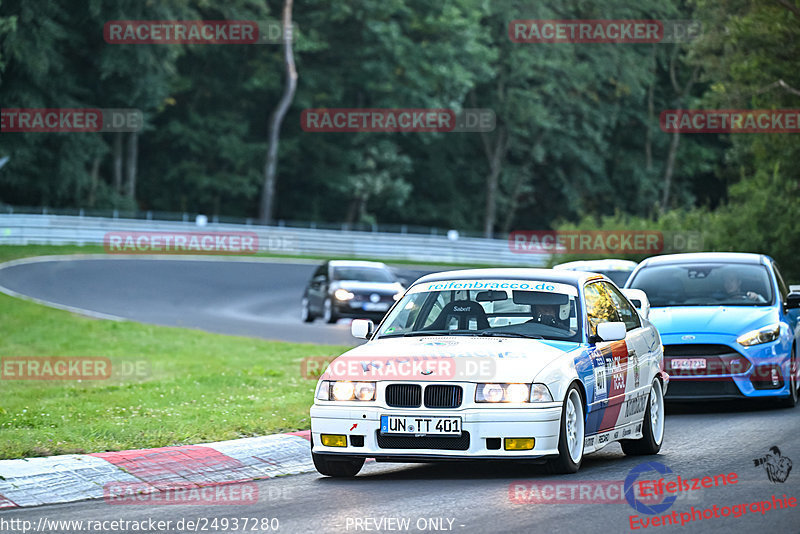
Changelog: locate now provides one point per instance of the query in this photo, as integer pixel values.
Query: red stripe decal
(618, 377)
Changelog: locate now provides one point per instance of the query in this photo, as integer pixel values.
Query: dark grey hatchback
(355, 289)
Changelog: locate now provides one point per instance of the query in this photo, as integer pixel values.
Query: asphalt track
(247, 298)
(701, 439)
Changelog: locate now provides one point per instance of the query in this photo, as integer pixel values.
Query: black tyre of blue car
(791, 400)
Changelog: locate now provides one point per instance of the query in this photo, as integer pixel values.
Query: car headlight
(344, 390)
(365, 391)
(343, 294)
(324, 390)
(489, 393)
(517, 393)
(762, 335)
(540, 393)
(502, 393)
(397, 296)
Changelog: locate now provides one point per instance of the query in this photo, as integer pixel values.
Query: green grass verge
(197, 387)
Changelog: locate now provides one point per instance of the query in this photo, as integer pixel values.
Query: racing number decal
(600, 380)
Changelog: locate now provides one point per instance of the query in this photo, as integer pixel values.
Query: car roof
(546, 275)
(355, 263)
(607, 264)
(707, 257)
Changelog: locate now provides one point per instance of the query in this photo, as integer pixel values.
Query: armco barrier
(24, 229)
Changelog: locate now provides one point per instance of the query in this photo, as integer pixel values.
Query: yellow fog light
(519, 444)
(334, 440)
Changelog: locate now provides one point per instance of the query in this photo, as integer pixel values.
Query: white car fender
(558, 375)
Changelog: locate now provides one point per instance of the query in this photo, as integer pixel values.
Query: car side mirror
(362, 328)
(611, 331)
(639, 300)
(793, 301)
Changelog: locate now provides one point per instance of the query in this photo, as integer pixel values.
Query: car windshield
(538, 310)
(705, 284)
(363, 274)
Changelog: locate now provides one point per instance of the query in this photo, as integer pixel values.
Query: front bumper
(481, 426)
(351, 309)
(759, 371)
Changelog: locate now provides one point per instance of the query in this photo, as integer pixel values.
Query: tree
(268, 193)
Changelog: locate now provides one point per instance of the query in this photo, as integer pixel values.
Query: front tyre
(328, 315)
(305, 313)
(653, 427)
(337, 466)
(570, 438)
(791, 400)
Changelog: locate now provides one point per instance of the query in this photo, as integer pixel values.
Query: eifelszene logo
(777, 467)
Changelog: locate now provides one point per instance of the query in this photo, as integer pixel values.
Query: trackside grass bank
(168, 386)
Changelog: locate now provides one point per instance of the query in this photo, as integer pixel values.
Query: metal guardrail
(24, 229)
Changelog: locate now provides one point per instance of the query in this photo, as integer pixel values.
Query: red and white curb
(75, 477)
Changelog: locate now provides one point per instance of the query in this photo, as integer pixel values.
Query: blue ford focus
(728, 322)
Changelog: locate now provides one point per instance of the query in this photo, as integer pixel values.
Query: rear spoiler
(639, 299)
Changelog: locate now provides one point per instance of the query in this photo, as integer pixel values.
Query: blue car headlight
(762, 335)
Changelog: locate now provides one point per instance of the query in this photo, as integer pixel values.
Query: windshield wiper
(489, 333)
(421, 333)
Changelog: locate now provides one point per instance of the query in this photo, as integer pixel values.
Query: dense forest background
(577, 142)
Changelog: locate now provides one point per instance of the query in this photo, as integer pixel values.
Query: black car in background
(355, 289)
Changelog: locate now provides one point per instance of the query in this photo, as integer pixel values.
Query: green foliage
(582, 137)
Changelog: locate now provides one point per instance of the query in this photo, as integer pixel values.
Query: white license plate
(688, 363)
(428, 426)
(376, 306)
